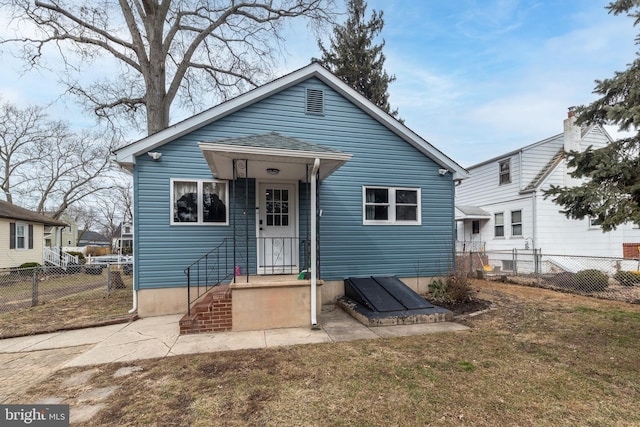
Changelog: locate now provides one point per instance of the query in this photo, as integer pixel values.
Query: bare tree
(20, 131)
(46, 166)
(189, 50)
(115, 207)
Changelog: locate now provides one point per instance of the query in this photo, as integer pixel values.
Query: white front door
(277, 246)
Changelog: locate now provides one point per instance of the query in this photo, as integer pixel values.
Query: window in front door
(277, 207)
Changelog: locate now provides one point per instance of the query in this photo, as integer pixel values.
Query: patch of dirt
(472, 305)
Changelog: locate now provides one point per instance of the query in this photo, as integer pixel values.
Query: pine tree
(354, 58)
(611, 191)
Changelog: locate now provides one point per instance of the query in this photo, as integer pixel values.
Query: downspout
(135, 299)
(314, 241)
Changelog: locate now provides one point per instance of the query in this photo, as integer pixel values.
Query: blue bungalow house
(282, 193)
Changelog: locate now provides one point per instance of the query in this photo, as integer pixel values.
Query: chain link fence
(28, 287)
(602, 277)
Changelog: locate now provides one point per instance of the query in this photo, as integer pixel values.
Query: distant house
(302, 177)
(22, 233)
(68, 235)
(122, 241)
(93, 238)
(501, 206)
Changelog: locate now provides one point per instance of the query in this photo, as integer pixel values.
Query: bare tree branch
(185, 49)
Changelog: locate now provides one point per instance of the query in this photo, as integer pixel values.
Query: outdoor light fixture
(154, 155)
(442, 171)
(273, 171)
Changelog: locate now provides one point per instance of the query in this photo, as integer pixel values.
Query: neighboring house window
(475, 227)
(199, 202)
(20, 236)
(505, 171)
(595, 223)
(391, 205)
(127, 230)
(516, 223)
(499, 225)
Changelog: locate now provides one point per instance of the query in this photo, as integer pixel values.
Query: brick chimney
(572, 132)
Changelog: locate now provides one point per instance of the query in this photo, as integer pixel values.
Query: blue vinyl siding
(348, 248)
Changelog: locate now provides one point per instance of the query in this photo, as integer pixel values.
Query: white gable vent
(315, 101)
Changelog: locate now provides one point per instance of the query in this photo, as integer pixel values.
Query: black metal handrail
(210, 270)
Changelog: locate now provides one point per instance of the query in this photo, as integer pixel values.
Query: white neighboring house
(501, 206)
(122, 241)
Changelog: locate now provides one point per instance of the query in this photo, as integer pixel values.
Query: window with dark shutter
(315, 101)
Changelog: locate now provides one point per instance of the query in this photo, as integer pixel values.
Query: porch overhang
(471, 212)
(270, 156)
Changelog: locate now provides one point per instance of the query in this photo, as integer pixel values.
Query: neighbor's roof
(584, 132)
(125, 156)
(92, 236)
(10, 211)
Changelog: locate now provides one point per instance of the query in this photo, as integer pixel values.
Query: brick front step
(212, 313)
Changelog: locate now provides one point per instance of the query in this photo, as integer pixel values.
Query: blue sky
(476, 78)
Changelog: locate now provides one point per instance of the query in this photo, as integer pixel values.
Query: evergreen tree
(611, 191)
(354, 58)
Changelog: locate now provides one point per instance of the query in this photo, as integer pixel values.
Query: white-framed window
(21, 235)
(499, 224)
(504, 168)
(391, 205)
(198, 202)
(516, 223)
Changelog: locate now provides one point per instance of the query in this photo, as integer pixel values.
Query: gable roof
(544, 172)
(126, 155)
(583, 132)
(10, 211)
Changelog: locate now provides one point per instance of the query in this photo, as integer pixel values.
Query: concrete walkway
(27, 361)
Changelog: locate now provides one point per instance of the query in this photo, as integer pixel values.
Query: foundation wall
(159, 302)
(271, 306)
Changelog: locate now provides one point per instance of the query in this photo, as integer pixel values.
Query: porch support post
(314, 241)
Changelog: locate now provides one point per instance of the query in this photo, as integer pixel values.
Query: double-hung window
(516, 223)
(20, 235)
(391, 205)
(199, 202)
(499, 225)
(504, 168)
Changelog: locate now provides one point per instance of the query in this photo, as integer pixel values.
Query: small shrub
(592, 280)
(453, 290)
(438, 288)
(627, 278)
(29, 265)
(458, 290)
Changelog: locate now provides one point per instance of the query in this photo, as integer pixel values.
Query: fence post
(108, 279)
(34, 287)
